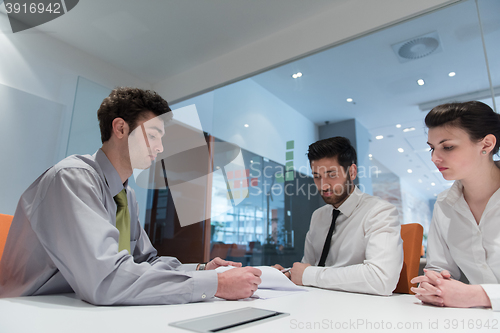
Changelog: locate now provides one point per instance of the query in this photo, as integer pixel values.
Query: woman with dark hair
(465, 229)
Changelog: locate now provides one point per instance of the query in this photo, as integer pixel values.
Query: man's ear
(119, 128)
(353, 171)
(488, 143)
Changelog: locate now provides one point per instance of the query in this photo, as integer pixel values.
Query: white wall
(342, 22)
(39, 75)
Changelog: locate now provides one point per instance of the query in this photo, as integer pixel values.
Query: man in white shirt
(365, 251)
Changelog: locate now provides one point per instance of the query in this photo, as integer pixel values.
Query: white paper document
(274, 283)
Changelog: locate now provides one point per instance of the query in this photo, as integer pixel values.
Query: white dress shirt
(366, 252)
(456, 240)
(63, 238)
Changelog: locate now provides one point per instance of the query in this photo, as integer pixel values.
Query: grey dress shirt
(63, 239)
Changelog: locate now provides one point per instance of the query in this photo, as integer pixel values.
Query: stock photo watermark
(362, 324)
(24, 15)
(182, 160)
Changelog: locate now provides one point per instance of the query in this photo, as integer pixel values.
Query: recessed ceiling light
(246, 125)
(217, 167)
(420, 180)
(379, 137)
(420, 82)
(452, 74)
(349, 100)
(398, 126)
(370, 155)
(251, 161)
(401, 150)
(433, 184)
(409, 129)
(297, 75)
(409, 170)
(435, 195)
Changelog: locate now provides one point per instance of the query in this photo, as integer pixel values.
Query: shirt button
(203, 296)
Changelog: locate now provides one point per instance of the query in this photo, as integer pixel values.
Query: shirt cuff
(205, 285)
(493, 293)
(310, 274)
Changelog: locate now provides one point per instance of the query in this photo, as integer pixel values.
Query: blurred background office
(268, 76)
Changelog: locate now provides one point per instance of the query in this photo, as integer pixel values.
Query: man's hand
(297, 271)
(218, 262)
(278, 267)
(238, 283)
(281, 268)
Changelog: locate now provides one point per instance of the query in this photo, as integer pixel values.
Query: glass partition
(382, 84)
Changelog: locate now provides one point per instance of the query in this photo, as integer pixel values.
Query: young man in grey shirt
(64, 235)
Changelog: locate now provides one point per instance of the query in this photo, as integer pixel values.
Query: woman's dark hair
(128, 104)
(338, 147)
(475, 118)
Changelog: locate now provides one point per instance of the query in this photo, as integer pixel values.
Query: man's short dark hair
(128, 104)
(338, 147)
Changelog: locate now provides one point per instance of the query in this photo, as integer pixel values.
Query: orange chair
(412, 244)
(5, 221)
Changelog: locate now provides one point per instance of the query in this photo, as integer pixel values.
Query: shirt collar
(454, 193)
(110, 174)
(348, 206)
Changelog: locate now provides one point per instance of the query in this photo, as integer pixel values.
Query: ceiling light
(246, 125)
(420, 82)
(379, 137)
(409, 129)
(349, 100)
(398, 126)
(452, 74)
(297, 75)
(409, 170)
(251, 161)
(370, 155)
(420, 180)
(433, 184)
(401, 150)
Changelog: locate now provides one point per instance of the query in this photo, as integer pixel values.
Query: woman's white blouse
(456, 240)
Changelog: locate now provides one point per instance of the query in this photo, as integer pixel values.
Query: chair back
(412, 243)
(5, 221)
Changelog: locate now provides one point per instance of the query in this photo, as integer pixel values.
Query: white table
(316, 310)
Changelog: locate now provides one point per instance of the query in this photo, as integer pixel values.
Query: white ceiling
(181, 34)
(385, 91)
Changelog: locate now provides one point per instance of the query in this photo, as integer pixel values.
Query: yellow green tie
(123, 221)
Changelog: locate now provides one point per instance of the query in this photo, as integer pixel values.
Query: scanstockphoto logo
(187, 165)
(25, 15)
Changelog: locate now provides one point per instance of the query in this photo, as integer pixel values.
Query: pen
(286, 270)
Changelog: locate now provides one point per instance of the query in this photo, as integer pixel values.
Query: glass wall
(385, 82)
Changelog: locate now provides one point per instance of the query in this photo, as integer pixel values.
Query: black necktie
(328, 240)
